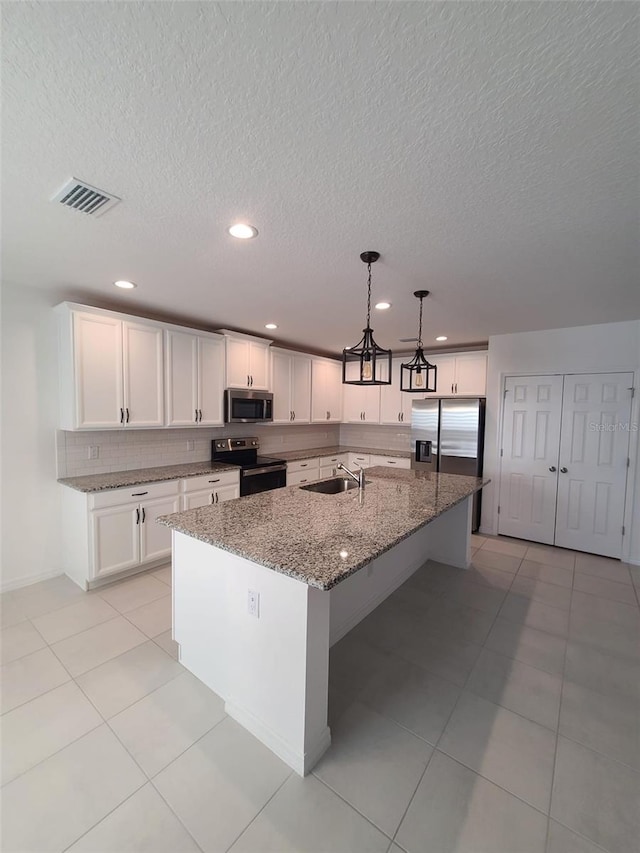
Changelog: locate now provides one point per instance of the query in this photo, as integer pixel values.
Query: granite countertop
(322, 539)
(311, 453)
(118, 479)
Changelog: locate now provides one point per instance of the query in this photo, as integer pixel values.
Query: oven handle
(267, 470)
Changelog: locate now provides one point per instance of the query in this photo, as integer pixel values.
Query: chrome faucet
(359, 477)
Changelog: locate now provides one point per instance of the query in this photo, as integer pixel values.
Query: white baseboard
(22, 582)
(302, 763)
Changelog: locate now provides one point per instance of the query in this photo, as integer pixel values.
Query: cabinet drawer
(297, 478)
(134, 494)
(332, 460)
(390, 461)
(361, 459)
(310, 465)
(211, 481)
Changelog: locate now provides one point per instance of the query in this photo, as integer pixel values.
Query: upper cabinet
(326, 391)
(291, 386)
(361, 403)
(111, 371)
(248, 363)
(463, 375)
(194, 378)
(395, 405)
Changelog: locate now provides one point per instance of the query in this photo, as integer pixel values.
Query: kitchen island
(263, 586)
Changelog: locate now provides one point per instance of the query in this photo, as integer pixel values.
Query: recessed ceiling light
(125, 285)
(270, 326)
(242, 231)
(382, 306)
(441, 338)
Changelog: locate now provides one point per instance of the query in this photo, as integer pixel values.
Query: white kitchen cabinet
(123, 532)
(395, 405)
(210, 489)
(462, 375)
(361, 404)
(291, 386)
(329, 465)
(194, 379)
(248, 363)
(303, 471)
(111, 370)
(326, 391)
(358, 460)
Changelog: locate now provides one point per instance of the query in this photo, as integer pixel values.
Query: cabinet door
(210, 381)
(446, 375)
(143, 375)
(115, 540)
(298, 478)
(97, 342)
(372, 404)
(334, 390)
(354, 403)
(300, 389)
(155, 539)
(281, 368)
(259, 365)
(226, 493)
(237, 363)
(471, 375)
(391, 402)
(319, 407)
(194, 500)
(181, 379)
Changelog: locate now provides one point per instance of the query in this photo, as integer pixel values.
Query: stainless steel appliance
(448, 436)
(257, 473)
(247, 407)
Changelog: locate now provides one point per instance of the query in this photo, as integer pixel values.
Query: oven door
(256, 480)
(247, 407)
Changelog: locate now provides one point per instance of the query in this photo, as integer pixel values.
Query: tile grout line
(256, 816)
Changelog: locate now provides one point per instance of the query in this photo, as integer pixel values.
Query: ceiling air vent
(407, 340)
(81, 196)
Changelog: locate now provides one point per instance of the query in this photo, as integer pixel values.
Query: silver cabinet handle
(564, 470)
(552, 468)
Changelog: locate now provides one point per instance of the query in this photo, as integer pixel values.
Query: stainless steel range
(257, 473)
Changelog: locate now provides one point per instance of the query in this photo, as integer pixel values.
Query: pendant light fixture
(418, 375)
(366, 363)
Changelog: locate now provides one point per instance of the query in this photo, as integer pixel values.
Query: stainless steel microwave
(247, 407)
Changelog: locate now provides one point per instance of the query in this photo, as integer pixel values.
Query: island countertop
(322, 539)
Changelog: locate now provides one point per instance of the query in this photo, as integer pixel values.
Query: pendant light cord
(369, 299)
(420, 326)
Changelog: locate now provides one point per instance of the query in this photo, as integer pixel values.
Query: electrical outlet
(191, 445)
(253, 603)
(94, 451)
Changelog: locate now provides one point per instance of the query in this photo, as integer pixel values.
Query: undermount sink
(335, 486)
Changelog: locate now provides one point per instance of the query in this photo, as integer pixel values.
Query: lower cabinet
(303, 471)
(123, 532)
(210, 489)
(389, 461)
(329, 465)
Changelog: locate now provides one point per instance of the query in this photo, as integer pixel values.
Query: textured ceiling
(488, 151)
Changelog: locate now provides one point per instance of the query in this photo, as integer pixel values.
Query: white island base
(272, 669)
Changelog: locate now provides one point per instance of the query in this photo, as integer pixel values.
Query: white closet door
(530, 440)
(594, 446)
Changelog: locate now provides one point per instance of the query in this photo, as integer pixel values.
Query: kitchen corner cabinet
(248, 363)
(326, 391)
(111, 371)
(291, 386)
(361, 404)
(194, 379)
(106, 533)
(463, 375)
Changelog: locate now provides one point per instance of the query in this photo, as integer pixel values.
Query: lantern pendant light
(366, 363)
(418, 375)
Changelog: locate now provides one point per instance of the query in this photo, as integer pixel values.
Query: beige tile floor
(490, 711)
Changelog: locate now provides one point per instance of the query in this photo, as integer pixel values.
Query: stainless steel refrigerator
(448, 436)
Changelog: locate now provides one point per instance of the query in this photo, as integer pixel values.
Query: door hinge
(505, 392)
(623, 529)
(501, 452)
(628, 461)
(498, 510)
(633, 392)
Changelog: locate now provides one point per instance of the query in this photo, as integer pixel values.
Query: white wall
(583, 349)
(31, 542)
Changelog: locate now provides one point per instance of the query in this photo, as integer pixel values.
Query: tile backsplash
(119, 450)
